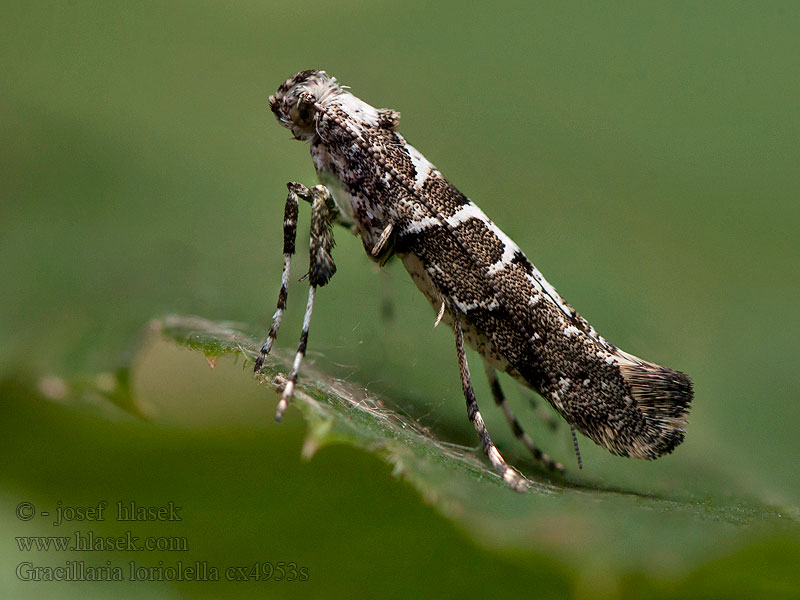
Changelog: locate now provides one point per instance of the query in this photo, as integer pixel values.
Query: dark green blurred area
(645, 157)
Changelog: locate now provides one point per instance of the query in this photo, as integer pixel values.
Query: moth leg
(337, 216)
(520, 434)
(542, 413)
(512, 477)
(321, 269)
(575, 445)
(289, 238)
(386, 304)
(382, 248)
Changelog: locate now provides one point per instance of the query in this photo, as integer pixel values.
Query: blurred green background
(644, 155)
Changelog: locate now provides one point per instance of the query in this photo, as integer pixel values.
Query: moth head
(294, 104)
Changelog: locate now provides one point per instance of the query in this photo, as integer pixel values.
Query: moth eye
(303, 114)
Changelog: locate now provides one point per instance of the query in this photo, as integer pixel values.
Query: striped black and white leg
(575, 445)
(511, 476)
(289, 237)
(500, 400)
(321, 269)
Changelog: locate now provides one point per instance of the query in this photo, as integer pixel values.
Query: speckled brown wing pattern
(488, 291)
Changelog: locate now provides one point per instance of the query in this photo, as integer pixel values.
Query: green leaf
(586, 525)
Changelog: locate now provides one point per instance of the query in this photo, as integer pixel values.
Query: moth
(477, 279)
